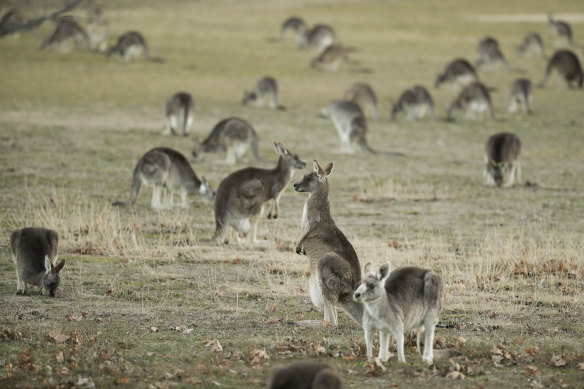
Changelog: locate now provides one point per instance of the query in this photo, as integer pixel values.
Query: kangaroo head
(248, 96)
(289, 158)
(496, 170)
(312, 181)
(50, 281)
(439, 80)
(197, 150)
(206, 190)
(372, 287)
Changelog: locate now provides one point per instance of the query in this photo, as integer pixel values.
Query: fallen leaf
(455, 375)
(351, 357)
(319, 350)
(85, 382)
(237, 261)
(558, 360)
(214, 345)
(581, 366)
(123, 381)
(272, 321)
(57, 336)
(326, 323)
(256, 355)
(518, 341)
(153, 329)
(532, 350)
(531, 370)
(60, 357)
(98, 319)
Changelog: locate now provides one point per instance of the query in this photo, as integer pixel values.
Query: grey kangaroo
(490, 54)
(532, 44)
(331, 58)
(473, 99)
(266, 91)
(521, 95)
(567, 64)
(562, 30)
(305, 375)
(458, 72)
(295, 25)
(363, 95)
(319, 37)
(502, 166)
(130, 47)
(415, 103)
(180, 114)
(67, 34)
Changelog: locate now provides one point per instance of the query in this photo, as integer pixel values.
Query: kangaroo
(242, 194)
(457, 72)
(319, 37)
(266, 90)
(331, 58)
(562, 30)
(67, 34)
(521, 94)
(305, 375)
(297, 26)
(97, 27)
(363, 95)
(11, 19)
(490, 54)
(233, 135)
(334, 266)
(34, 253)
(180, 114)
(415, 103)
(473, 99)
(532, 43)
(130, 46)
(502, 159)
(408, 298)
(165, 168)
(566, 63)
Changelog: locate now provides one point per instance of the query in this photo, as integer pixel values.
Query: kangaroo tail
(136, 184)
(433, 289)
(186, 112)
(353, 308)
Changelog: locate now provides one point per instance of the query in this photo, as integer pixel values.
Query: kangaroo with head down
(458, 72)
(415, 103)
(67, 34)
(502, 166)
(561, 29)
(331, 58)
(532, 43)
(334, 266)
(319, 37)
(521, 95)
(130, 47)
(567, 64)
(490, 54)
(305, 375)
(180, 114)
(34, 253)
(473, 99)
(266, 91)
(363, 95)
(295, 25)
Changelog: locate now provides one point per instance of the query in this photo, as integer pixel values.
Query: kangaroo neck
(283, 171)
(318, 200)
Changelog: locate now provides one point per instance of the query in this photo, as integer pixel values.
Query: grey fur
(331, 58)
(351, 125)
(521, 95)
(561, 29)
(296, 25)
(458, 72)
(130, 46)
(180, 114)
(266, 91)
(68, 33)
(502, 166)
(415, 103)
(305, 375)
(568, 66)
(490, 54)
(363, 95)
(473, 99)
(532, 43)
(319, 37)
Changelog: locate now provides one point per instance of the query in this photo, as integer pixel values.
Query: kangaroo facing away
(34, 253)
(415, 103)
(567, 64)
(167, 169)
(363, 95)
(180, 114)
(490, 54)
(408, 298)
(319, 37)
(334, 266)
(532, 43)
(331, 58)
(266, 91)
(242, 194)
(296, 25)
(458, 72)
(305, 375)
(521, 94)
(502, 159)
(233, 135)
(473, 100)
(130, 46)
(562, 30)
(67, 34)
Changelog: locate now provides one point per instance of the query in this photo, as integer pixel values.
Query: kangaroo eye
(371, 286)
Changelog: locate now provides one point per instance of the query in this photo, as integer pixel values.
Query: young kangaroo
(180, 114)
(305, 375)
(34, 253)
(130, 46)
(331, 58)
(319, 37)
(562, 30)
(295, 25)
(266, 91)
(566, 63)
(167, 169)
(242, 194)
(363, 95)
(473, 99)
(502, 159)
(67, 34)
(521, 94)
(408, 298)
(334, 266)
(233, 135)
(415, 103)
(457, 72)
(532, 43)
(490, 54)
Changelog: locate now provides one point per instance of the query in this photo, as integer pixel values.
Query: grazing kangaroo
(242, 194)
(473, 99)
(67, 34)
(415, 103)
(34, 253)
(167, 169)
(408, 298)
(319, 37)
(130, 46)
(305, 375)
(363, 95)
(532, 43)
(458, 72)
(334, 266)
(562, 30)
(180, 114)
(233, 135)
(521, 94)
(266, 91)
(566, 63)
(490, 54)
(331, 58)
(296, 25)
(11, 19)
(502, 159)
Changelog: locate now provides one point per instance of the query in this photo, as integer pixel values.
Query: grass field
(146, 300)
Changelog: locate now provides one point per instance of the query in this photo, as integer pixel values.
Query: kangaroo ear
(384, 271)
(59, 267)
(328, 168)
(48, 264)
(319, 171)
(316, 166)
(368, 269)
(281, 149)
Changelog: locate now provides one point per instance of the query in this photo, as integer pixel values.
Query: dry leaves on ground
(214, 345)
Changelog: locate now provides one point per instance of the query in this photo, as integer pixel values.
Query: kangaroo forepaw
(300, 250)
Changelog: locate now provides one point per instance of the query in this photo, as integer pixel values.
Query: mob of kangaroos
(502, 166)
(265, 92)
(415, 102)
(305, 375)
(363, 95)
(474, 100)
(567, 65)
(130, 47)
(180, 114)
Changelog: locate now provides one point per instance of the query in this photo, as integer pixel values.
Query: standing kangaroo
(532, 43)
(408, 298)
(34, 253)
(167, 169)
(567, 64)
(233, 135)
(242, 194)
(130, 46)
(363, 95)
(331, 58)
(334, 266)
(296, 25)
(490, 54)
(473, 99)
(562, 30)
(67, 34)
(266, 91)
(502, 159)
(521, 94)
(319, 37)
(458, 72)
(415, 103)
(180, 114)
(305, 375)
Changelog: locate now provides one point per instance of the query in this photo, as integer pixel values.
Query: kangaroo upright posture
(473, 99)
(266, 91)
(521, 94)
(532, 43)
(331, 58)
(180, 114)
(242, 194)
(130, 46)
(305, 375)
(490, 54)
(167, 169)
(408, 298)
(34, 253)
(233, 135)
(502, 159)
(319, 37)
(334, 266)
(567, 64)
(67, 34)
(458, 72)
(415, 103)
(296, 25)
(562, 30)
(363, 95)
